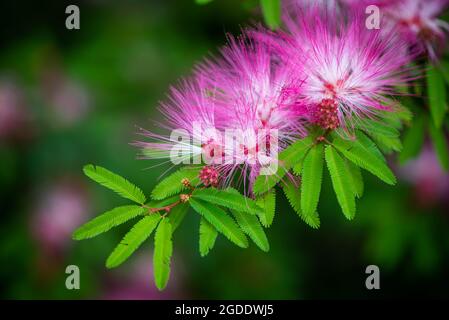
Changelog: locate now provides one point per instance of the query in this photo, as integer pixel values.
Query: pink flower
(416, 20)
(418, 23)
(349, 71)
(248, 93)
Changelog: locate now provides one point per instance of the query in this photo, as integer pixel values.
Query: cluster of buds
(209, 176)
(184, 197)
(186, 183)
(326, 114)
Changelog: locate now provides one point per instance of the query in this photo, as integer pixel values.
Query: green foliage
(364, 153)
(440, 145)
(287, 159)
(251, 226)
(445, 70)
(437, 95)
(162, 203)
(355, 174)
(413, 139)
(293, 194)
(115, 182)
(229, 198)
(208, 235)
(272, 12)
(177, 214)
(341, 181)
(312, 173)
(268, 203)
(172, 184)
(384, 134)
(132, 240)
(163, 250)
(106, 221)
(221, 221)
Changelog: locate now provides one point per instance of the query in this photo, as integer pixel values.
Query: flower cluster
(324, 71)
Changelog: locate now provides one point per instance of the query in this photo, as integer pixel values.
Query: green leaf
(293, 194)
(287, 159)
(268, 203)
(172, 184)
(376, 127)
(384, 134)
(341, 181)
(251, 226)
(163, 250)
(271, 10)
(229, 198)
(221, 221)
(132, 240)
(114, 182)
(208, 235)
(106, 221)
(445, 70)
(440, 145)
(177, 214)
(364, 153)
(312, 172)
(356, 178)
(437, 95)
(413, 139)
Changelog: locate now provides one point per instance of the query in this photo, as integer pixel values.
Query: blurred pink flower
(135, 282)
(59, 210)
(68, 100)
(14, 118)
(431, 183)
(416, 20)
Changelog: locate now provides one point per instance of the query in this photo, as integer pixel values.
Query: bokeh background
(68, 98)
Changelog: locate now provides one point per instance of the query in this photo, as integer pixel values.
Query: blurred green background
(68, 98)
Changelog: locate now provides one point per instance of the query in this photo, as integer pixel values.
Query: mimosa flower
(247, 93)
(349, 72)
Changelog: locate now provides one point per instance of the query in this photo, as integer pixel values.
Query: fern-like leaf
(106, 221)
(356, 178)
(163, 250)
(115, 182)
(312, 173)
(229, 198)
(437, 95)
(251, 226)
(208, 235)
(287, 159)
(172, 184)
(293, 193)
(341, 181)
(132, 240)
(268, 203)
(177, 214)
(221, 221)
(364, 154)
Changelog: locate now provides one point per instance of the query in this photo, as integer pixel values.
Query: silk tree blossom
(416, 20)
(246, 102)
(419, 24)
(306, 4)
(349, 72)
